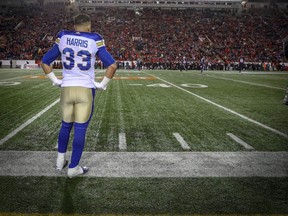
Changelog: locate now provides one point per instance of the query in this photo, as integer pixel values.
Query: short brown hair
(81, 19)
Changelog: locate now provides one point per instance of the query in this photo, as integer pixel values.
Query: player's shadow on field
(69, 194)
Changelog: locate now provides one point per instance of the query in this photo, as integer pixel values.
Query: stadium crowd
(170, 39)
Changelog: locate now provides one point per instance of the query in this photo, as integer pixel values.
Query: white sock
(60, 160)
(61, 156)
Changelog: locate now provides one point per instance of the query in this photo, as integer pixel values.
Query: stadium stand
(160, 38)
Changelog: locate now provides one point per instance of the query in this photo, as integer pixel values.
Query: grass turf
(149, 111)
(144, 195)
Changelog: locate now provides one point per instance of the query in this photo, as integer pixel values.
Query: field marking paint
(98, 77)
(20, 77)
(250, 83)
(29, 121)
(264, 73)
(2, 83)
(135, 84)
(226, 109)
(243, 72)
(122, 136)
(239, 141)
(99, 122)
(182, 142)
(189, 85)
(122, 141)
(151, 164)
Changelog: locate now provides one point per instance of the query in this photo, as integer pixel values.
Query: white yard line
(246, 72)
(29, 121)
(239, 141)
(250, 83)
(122, 141)
(13, 78)
(182, 142)
(263, 73)
(99, 121)
(122, 135)
(225, 108)
(151, 164)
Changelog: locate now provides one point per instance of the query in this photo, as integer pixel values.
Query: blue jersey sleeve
(51, 55)
(105, 57)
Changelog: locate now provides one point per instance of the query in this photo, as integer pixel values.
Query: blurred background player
(183, 64)
(139, 64)
(285, 46)
(78, 50)
(285, 100)
(241, 64)
(202, 64)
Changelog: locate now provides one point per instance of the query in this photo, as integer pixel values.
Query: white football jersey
(78, 54)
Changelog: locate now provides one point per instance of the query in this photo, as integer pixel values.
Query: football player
(78, 50)
(202, 64)
(241, 64)
(285, 100)
(285, 45)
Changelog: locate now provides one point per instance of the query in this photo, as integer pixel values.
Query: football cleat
(61, 164)
(285, 101)
(78, 170)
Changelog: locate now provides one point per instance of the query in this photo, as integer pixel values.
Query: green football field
(159, 142)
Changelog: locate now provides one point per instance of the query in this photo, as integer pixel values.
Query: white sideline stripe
(182, 142)
(29, 121)
(226, 109)
(250, 83)
(239, 141)
(122, 141)
(20, 77)
(151, 164)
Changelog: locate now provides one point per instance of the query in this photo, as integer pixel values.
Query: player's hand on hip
(99, 86)
(57, 82)
(54, 79)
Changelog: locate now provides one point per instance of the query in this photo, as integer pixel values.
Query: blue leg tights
(63, 137)
(78, 143)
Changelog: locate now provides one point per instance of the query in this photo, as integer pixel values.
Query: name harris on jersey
(77, 42)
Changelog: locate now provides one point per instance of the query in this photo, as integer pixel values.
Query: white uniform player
(78, 50)
(78, 56)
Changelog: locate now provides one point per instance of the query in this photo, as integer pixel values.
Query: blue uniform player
(78, 50)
